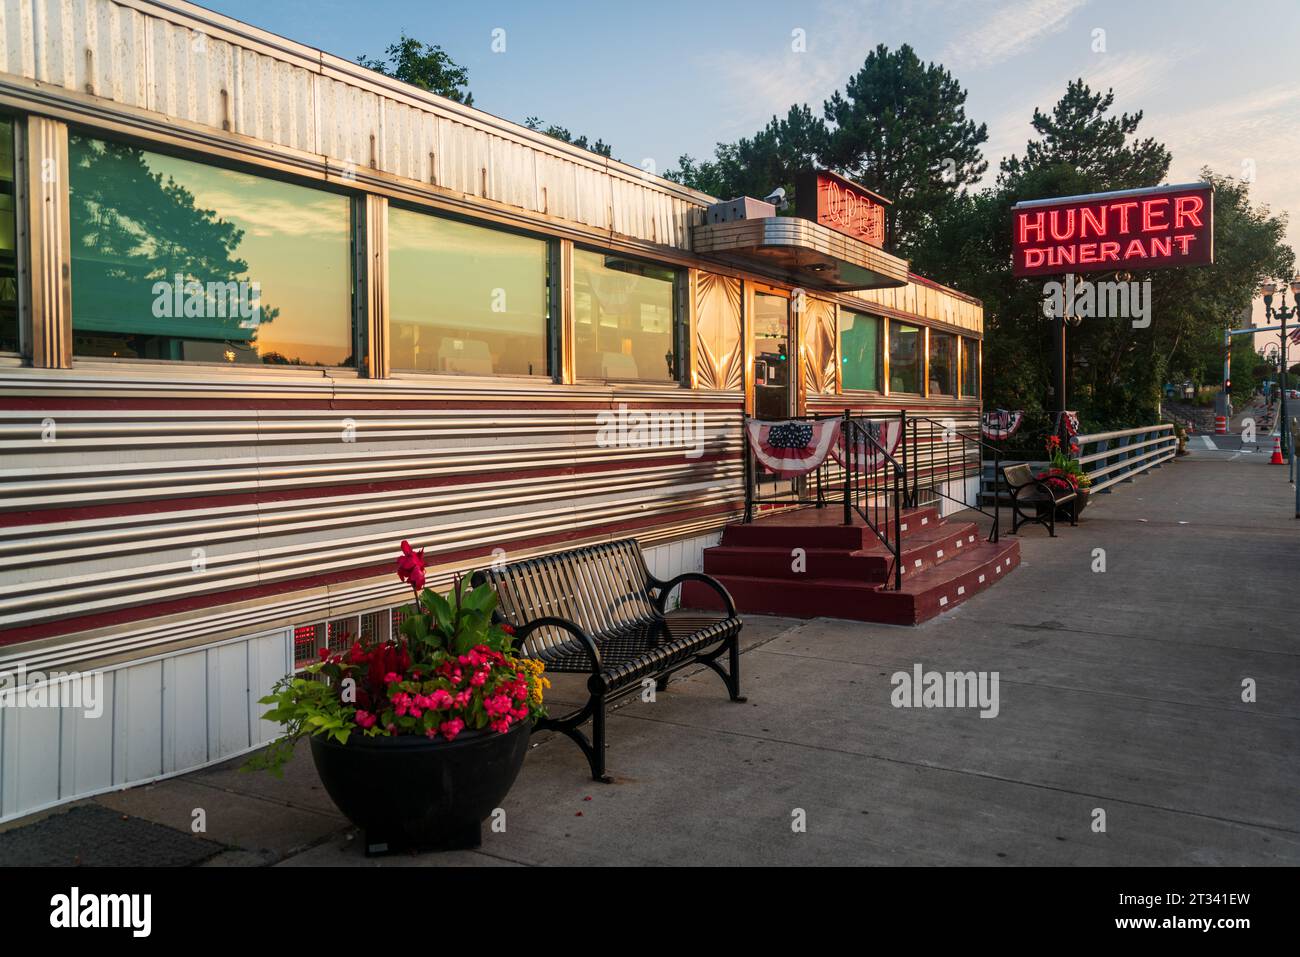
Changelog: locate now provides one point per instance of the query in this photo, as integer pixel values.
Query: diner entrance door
(773, 368)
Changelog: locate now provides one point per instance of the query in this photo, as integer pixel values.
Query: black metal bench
(598, 611)
(1034, 500)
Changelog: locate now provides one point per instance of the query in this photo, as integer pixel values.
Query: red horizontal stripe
(124, 615)
(41, 516)
(353, 402)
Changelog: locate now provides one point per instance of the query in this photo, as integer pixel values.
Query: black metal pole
(744, 451)
(1286, 425)
(846, 438)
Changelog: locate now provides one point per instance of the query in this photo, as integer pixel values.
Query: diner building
(265, 313)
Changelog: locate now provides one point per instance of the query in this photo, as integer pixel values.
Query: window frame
(954, 367)
(678, 297)
(552, 323)
(922, 354)
(973, 345)
(357, 333)
(881, 343)
(22, 274)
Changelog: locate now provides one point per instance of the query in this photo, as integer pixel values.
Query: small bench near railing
(597, 611)
(1110, 457)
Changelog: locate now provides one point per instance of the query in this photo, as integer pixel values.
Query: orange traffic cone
(1277, 451)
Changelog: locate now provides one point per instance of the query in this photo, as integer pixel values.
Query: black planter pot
(414, 793)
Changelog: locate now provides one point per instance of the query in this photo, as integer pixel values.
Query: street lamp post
(1282, 314)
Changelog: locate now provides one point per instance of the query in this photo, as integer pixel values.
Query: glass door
(772, 367)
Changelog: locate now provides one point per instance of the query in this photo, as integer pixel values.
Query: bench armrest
(523, 631)
(665, 589)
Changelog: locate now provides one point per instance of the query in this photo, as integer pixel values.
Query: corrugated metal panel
(308, 502)
(160, 717)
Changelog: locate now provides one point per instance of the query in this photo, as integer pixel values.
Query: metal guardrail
(1119, 456)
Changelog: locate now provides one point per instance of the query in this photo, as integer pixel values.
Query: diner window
(173, 259)
(8, 240)
(943, 364)
(970, 367)
(623, 313)
(905, 352)
(859, 352)
(465, 299)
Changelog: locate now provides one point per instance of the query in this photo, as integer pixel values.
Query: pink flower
(391, 678)
(449, 729)
(410, 567)
(497, 705)
(440, 700)
(365, 719)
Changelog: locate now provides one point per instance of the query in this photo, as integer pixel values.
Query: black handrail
(917, 423)
(874, 491)
(878, 499)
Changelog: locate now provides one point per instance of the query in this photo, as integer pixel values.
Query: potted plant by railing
(1066, 474)
(419, 738)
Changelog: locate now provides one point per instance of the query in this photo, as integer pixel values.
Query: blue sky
(1217, 81)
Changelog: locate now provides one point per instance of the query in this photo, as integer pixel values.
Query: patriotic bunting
(1001, 424)
(793, 448)
(867, 457)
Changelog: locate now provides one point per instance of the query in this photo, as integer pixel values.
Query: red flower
(410, 567)
(508, 629)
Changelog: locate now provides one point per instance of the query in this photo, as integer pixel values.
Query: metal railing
(871, 482)
(942, 454)
(875, 487)
(1119, 456)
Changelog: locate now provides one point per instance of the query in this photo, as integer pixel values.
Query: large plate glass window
(943, 364)
(173, 259)
(970, 368)
(859, 352)
(623, 315)
(465, 299)
(8, 240)
(906, 346)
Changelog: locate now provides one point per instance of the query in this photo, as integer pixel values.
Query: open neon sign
(1103, 232)
(841, 205)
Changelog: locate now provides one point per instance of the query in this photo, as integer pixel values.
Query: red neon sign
(1129, 230)
(841, 205)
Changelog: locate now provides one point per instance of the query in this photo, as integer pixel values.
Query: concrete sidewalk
(1119, 692)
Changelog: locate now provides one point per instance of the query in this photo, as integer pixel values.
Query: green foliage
(1116, 372)
(899, 127)
(453, 669)
(424, 65)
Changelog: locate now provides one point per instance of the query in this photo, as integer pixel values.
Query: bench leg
(733, 667)
(571, 727)
(596, 756)
(731, 674)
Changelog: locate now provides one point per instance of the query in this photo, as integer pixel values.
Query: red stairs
(846, 571)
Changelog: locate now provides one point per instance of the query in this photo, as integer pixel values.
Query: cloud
(1007, 31)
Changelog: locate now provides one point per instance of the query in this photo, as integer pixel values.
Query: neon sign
(842, 205)
(1103, 232)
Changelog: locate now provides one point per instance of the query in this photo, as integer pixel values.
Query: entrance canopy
(803, 251)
